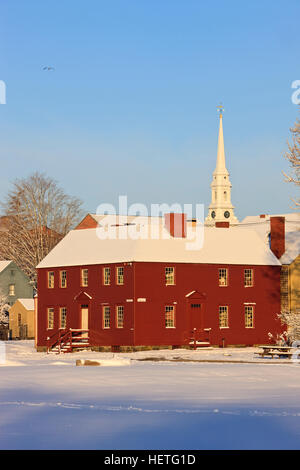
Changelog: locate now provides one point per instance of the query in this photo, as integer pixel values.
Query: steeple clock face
(213, 214)
(227, 214)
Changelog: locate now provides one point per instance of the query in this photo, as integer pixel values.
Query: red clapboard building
(102, 287)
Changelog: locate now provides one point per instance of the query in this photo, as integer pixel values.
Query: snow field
(46, 402)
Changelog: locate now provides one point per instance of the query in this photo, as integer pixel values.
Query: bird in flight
(48, 68)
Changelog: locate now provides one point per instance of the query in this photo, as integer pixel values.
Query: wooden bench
(272, 354)
(280, 351)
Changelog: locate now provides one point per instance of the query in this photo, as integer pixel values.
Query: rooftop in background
(27, 303)
(292, 243)
(292, 220)
(4, 264)
(97, 220)
(261, 224)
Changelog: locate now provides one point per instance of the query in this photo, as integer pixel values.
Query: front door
(84, 319)
(198, 330)
(196, 315)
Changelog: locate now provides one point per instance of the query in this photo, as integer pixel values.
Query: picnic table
(277, 350)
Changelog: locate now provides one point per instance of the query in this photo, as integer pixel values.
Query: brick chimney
(277, 235)
(176, 224)
(222, 224)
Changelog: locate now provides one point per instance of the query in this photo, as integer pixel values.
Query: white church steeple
(220, 208)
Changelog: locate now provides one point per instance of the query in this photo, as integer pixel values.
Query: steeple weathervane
(220, 109)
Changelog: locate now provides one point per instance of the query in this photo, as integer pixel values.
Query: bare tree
(4, 308)
(37, 214)
(291, 321)
(293, 157)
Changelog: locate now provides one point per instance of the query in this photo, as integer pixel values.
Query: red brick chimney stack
(222, 224)
(277, 234)
(176, 224)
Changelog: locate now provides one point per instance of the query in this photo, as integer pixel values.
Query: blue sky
(131, 106)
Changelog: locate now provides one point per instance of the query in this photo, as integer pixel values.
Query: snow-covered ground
(47, 402)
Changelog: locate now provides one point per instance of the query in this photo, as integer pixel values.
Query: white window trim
(174, 316)
(109, 276)
(82, 277)
(48, 278)
(61, 279)
(253, 315)
(173, 276)
(117, 276)
(103, 318)
(117, 319)
(48, 308)
(227, 277)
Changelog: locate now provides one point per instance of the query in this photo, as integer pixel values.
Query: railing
(67, 340)
(56, 339)
(78, 338)
(196, 335)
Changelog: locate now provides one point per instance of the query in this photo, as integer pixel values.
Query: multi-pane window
(170, 276)
(63, 317)
(249, 316)
(120, 316)
(50, 318)
(223, 316)
(169, 316)
(248, 277)
(284, 288)
(223, 277)
(120, 276)
(63, 278)
(106, 317)
(11, 289)
(84, 277)
(50, 279)
(19, 319)
(106, 276)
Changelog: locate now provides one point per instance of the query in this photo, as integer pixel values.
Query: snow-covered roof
(27, 303)
(292, 232)
(220, 246)
(292, 247)
(122, 219)
(292, 221)
(4, 264)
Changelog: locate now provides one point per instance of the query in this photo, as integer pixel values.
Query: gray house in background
(14, 283)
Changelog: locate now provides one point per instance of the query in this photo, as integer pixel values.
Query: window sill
(224, 327)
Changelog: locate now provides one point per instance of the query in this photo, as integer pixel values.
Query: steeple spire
(220, 208)
(221, 151)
